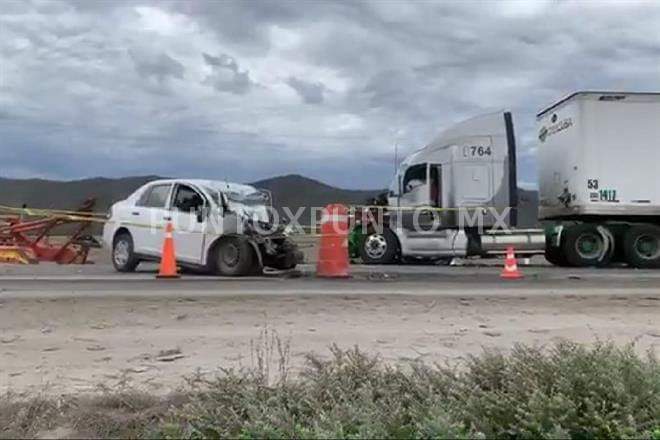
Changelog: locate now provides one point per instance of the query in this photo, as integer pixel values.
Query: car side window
(154, 197)
(187, 199)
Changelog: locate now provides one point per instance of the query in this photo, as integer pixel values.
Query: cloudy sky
(251, 89)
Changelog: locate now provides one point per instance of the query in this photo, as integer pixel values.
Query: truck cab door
(432, 218)
(414, 187)
(422, 188)
(423, 228)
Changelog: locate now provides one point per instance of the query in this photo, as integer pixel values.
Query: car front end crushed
(277, 249)
(248, 212)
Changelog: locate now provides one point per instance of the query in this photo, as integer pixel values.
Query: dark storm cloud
(160, 66)
(150, 87)
(310, 92)
(226, 76)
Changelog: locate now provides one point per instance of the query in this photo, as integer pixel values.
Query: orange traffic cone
(167, 259)
(333, 250)
(511, 271)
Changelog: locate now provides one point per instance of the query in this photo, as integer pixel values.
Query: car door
(149, 216)
(188, 212)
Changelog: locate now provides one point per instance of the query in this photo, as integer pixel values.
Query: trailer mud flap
(608, 238)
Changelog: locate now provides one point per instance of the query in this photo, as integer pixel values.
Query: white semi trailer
(599, 188)
(599, 179)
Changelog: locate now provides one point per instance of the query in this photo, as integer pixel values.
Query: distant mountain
(52, 194)
(292, 191)
(295, 191)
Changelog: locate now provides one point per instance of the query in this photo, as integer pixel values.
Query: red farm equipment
(41, 235)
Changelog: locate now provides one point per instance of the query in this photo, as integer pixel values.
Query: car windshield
(253, 198)
(215, 195)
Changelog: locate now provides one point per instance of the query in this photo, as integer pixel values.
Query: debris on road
(169, 355)
(10, 339)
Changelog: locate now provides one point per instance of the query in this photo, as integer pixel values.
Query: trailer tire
(584, 245)
(235, 257)
(123, 256)
(641, 246)
(378, 248)
(556, 256)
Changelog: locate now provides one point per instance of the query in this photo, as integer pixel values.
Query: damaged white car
(221, 227)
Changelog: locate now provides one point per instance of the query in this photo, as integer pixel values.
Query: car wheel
(235, 257)
(641, 246)
(379, 248)
(123, 257)
(584, 245)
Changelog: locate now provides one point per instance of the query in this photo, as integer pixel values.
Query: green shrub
(567, 391)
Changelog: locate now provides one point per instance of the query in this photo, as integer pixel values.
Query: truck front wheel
(641, 246)
(379, 248)
(584, 245)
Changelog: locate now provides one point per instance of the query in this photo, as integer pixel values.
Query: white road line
(448, 292)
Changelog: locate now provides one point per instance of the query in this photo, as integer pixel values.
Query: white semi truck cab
(599, 188)
(456, 197)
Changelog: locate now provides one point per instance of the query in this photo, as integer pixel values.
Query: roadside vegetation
(564, 391)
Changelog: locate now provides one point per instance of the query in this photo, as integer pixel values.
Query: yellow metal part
(14, 255)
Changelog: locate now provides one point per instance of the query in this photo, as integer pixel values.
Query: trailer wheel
(641, 246)
(235, 257)
(556, 256)
(584, 245)
(379, 248)
(123, 256)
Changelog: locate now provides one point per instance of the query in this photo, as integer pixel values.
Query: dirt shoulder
(68, 345)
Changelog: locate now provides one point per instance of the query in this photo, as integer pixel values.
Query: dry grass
(109, 415)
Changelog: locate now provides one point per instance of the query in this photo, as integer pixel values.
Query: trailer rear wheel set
(599, 245)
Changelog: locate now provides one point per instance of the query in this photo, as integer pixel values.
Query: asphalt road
(101, 280)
